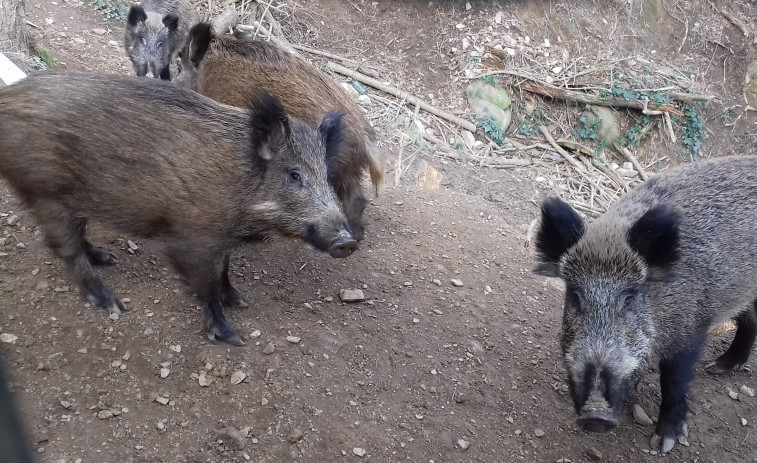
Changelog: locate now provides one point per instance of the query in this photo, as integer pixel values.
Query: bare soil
(422, 368)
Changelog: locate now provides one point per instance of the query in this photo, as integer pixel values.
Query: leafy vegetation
(112, 9)
(43, 60)
(636, 134)
(490, 126)
(693, 131)
(589, 126)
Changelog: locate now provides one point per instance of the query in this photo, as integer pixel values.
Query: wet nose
(597, 422)
(343, 248)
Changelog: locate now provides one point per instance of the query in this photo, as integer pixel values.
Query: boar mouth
(597, 421)
(343, 246)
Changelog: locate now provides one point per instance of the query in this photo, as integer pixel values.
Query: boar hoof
(98, 257)
(721, 367)
(96, 293)
(667, 443)
(234, 299)
(343, 248)
(225, 334)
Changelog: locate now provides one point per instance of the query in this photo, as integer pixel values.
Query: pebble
(62, 289)
(264, 401)
(743, 421)
(415, 320)
(351, 295)
(203, 379)
(237, 377)
(364, 100)
(233, 438)
(8, 338)
(98, 31)
(293, 339)
(594, 453)
(161, 426)
(149, 332)
(162, 400)
(539, 432)
(5, 240)
(20, 245)
(683, 441)
(176, 348)
(436, 281)
(65, 404)
(269, 348)
(255, 334)
(360, 452)
(104, 414)
(295, 436)
(733, 394)
(328, 299)
(641, 416)
(408, 283)
(12, 220)
(456, 282)
(463, 444)
(164, 372)
(744, 389)
(132, 245)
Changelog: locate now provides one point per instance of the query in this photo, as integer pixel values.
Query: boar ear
(171, 21)
(268, 123)
(330, 128)
(561, 228)
(136, 15)
(198, 42)
(655, 236)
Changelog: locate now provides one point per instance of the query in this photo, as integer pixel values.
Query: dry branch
(632, 159)
(362, 78)
(226, 21)
(585, 98)
(325, 54)
(578, 166)
(732, 19)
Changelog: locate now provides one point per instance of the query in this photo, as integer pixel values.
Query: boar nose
(596, 421)
(343, 247)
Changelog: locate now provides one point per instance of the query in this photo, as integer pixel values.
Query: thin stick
(732, 19)
(578, 166)
(362, 78)
(328, 55)
(669, 125)
(632, 159)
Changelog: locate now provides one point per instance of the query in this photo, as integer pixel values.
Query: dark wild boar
(150, 159)
(155, 33)
(646, 280)
(225, 69)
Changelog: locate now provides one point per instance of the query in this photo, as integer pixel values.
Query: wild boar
(153, 160)
(646, 280)
(155, 33)
(225, 68)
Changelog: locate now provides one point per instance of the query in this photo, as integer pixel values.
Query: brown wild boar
(225, 69)
(151, 159)
(155, 33)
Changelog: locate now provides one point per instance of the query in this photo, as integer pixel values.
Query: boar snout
(597, 421)
(343, 247)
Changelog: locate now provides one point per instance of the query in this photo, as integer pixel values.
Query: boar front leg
(676, 371)
(94, 255)
(231, 297)
(205, 272)
(64, 236)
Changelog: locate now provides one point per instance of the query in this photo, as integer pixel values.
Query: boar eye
(627, 303)
(143, 40)
(574, 299)
(295, 176)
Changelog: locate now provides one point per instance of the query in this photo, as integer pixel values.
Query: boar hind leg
(231, 297)
(94, 255)
(676, 372)
(205, 277)
(63, 235)
(737, 354)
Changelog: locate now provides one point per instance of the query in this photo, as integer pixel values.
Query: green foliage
(490, 126)
(693, 131)
(625, 87)
(43, 61)
(590, 126)
(491, 79)
(634, 136)
(406, 125)
(529, 123)
(112, 9)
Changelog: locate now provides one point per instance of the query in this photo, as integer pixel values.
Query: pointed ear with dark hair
(136, 15)
(268, 123)
(171, 21)
(561, 228)
(331, 130)
(198, 42)
(655, 236)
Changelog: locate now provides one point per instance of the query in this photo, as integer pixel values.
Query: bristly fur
(649, 277)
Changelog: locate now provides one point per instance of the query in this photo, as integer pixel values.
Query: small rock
(161, 426)
(8, 338)
(436, 281)
(295, 436)
(351, 295)
(539, 432)
(743, 421)
(65, 404)
(176, 348)
(62, 289)
(164, 372)
(132, 245)
(456, 282)
(114, 43)
(98, 31)
(360, 452)
(162, 400)
(264, 401)
(683, 441)
(255, 334)
(203, 379)
(364, 100)
(641, 416)
(104, 414)
(269, 348)
(233, 438)
(594, 454)
(463, 444)
(5, 240)
(12, 220)
(149, 332)
(20, 245)
(744, 389)
(114, 316)
(293, 339)
(408, 283)
(733, 394)
(237, 377)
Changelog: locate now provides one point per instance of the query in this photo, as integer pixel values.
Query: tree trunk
(13, 26)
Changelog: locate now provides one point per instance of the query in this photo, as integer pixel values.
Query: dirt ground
(424, 370)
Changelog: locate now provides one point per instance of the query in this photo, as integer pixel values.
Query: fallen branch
(732, 19)
(577, 165)
(226, 21)
(362, 78)
(632, 159)
(585, 98)
(325, 54)
(281, 43)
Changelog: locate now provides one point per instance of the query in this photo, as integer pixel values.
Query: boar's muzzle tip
(343, 248)
(596, 421)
